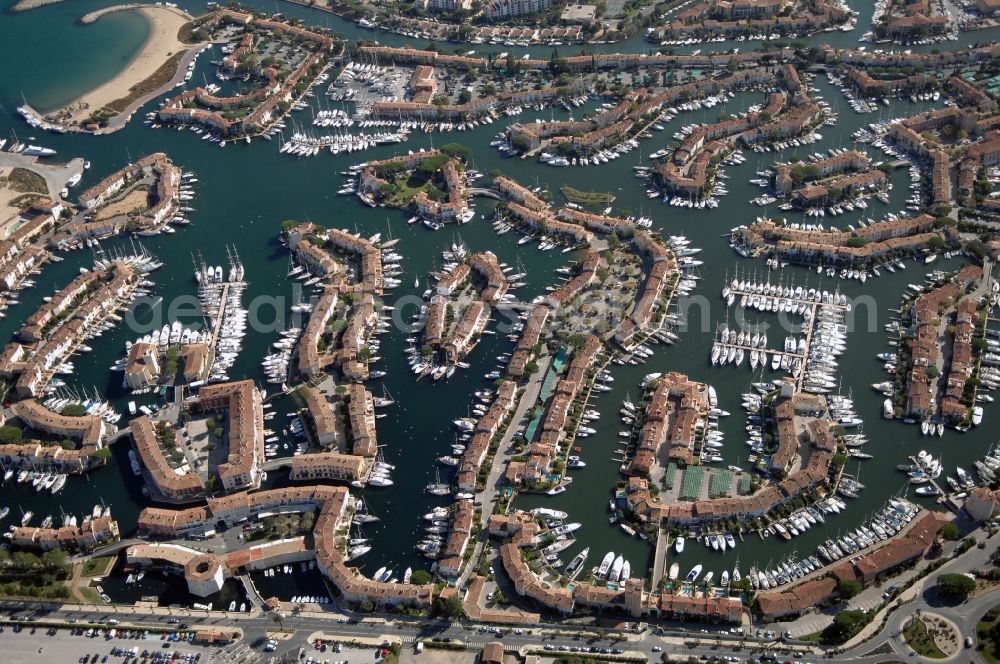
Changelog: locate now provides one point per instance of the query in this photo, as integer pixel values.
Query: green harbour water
(245, 191)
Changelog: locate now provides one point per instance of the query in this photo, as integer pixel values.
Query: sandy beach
(159, 47)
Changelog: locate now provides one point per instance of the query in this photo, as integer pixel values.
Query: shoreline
(161, 45)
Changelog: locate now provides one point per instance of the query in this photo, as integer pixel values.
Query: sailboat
(437, 487)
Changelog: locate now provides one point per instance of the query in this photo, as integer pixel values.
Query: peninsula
(156, 63)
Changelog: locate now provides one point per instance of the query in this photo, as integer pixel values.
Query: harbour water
(245, 192)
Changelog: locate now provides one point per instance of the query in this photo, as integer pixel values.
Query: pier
(780, 303)
(217, 321)
(215, 288)
(942, 497)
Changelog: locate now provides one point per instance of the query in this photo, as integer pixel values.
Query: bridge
(482, 191)
(111, 549)
(277, 463)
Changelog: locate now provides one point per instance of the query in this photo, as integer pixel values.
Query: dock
(809, 308)
(214, 293)
(942, 494)
(217, 321)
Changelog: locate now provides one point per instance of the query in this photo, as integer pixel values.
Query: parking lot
(32, 644)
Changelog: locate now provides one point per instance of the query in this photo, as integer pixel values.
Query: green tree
(848, 588)
(845, 625)
(451, 607)
(520, 143)
(955, 586)
(10, 434)
(976, 248)
(421, 577)
(456, 150)
(950, 532)
(74, 410)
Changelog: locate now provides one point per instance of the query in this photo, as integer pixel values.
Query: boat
(675, 569)
(605, 565)
(977, 415)
(679, 545)
(693, 574)
(549, 513)
(616, 568)
(575, 565)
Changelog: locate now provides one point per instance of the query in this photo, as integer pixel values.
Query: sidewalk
(971, 559)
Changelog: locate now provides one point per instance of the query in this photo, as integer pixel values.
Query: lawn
(97, 566)
(586, 197)
(988, 633)
(409, 187)
(21, 179)
(91, 595)
(921, 641)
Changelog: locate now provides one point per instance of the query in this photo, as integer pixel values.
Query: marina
(798, 322)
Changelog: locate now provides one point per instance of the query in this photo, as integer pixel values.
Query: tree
(451, 607)
(10, 434)
(74, 410)
(456, 150)
(103, 454)
(976, 248)
(421, 577)
(949, 531)
(845, 625)
(955, 586)
(520, 143)
(848, 588)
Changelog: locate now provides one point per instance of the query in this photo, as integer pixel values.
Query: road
(689, 639)
(922, 596)
(488, 497)
(55, 176)
(710, 641)
(376, 630)
(119, 121)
